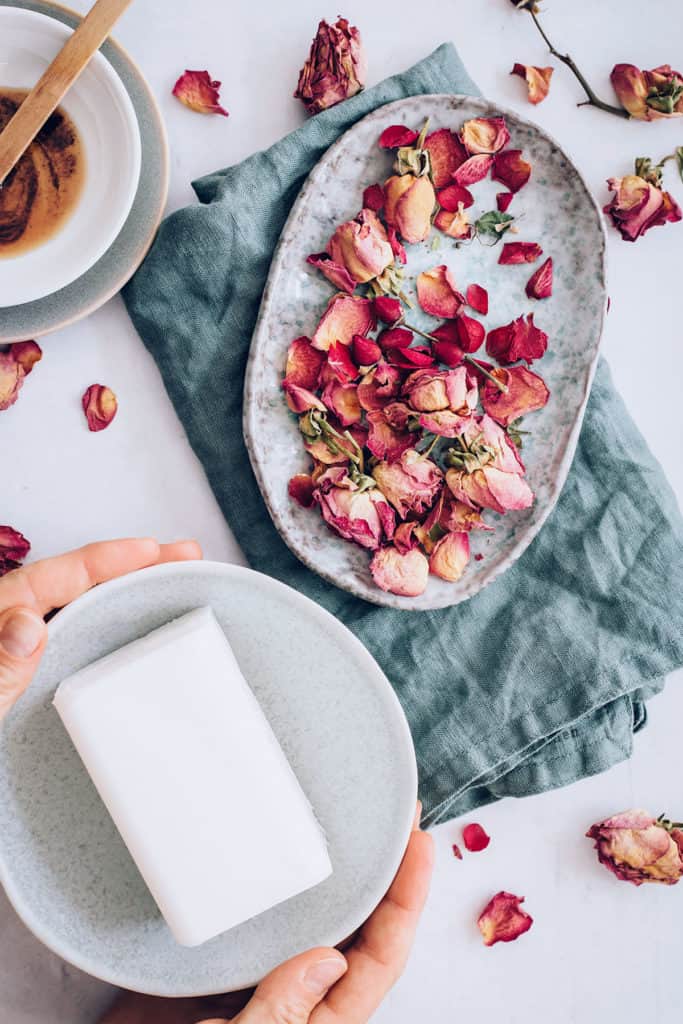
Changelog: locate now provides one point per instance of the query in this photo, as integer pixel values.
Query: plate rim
(249, 405)
(144, 244)
(383, 687)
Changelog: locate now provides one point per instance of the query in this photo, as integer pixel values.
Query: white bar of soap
(194, 778)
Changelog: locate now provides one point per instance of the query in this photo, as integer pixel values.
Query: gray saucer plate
(62, 862)
(110, 273)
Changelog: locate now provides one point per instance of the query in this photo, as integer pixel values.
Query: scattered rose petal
(408, 206)
(450, 556)
(395, 337)
(519, 252)
(540, 284)
(397, 135)
(537, 80)
(387, 309)
(649, 95)
(13, 549)
(366, 352)
(26, 354)
(477, 298)
(334, 272)
(456, 516)
(385, 442)
(340, 362)
(520, 339)
(475, 838)
(470, 333)
(452, 196)
(410, 484)
(336, 67)
(511, 170)
(490, 488)
(455, 225)
(299, 399)
(448, 352)
(444, 422)
(503, 200)
(373, 198)
(446, 153)
(437, 293)
(100, 406)
(198, 91)
(301, 488)
(484, 135)
(15, 365)
(409, 358)
(638, 848)
(378, 387)
(403, 574)
(396, 247)
(303, 364)
(474, 169)
(345, 316)
(457, 852)
(503, 920)
(342, 401)
(526, 393)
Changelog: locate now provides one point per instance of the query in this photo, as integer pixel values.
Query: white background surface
(598, 947)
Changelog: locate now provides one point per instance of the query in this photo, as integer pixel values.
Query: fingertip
(418, 815)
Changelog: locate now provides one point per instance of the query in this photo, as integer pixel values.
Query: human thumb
(290, 993)
(23, 635)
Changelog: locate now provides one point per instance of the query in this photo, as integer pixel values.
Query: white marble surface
(598, 947)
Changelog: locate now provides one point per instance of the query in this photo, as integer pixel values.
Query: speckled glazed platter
(109, 274)
(554, 209)
(62, 861)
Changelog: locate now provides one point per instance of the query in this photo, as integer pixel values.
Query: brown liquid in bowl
(40, 193)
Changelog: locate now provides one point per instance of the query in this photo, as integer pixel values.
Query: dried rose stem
(466, 357)
(593, 100)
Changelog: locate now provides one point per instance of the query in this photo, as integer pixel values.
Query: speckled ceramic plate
(554, 209)
(64, 865)
(109, 274)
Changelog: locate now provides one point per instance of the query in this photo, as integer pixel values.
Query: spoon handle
(56, 80)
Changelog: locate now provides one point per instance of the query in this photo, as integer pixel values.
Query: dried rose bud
(387, 309)
(537, 80)
(519, 252)
(649, 95)
(639, 205)
(639, 848)
(198, 91)
(455, 225)
(13, 549)
(303, 364)
(379, 387)
(361, 246)
(511, 170)
(502, 920)
(484, 135)
(100, 406)
(404, 537)
(446, 153)
(503, 200)
(490, 488)
(408, 206)
(474, 169)
(301, 488)
(403, 574)
(450, 556)
(363, 517)
(520, 339)
(397, 135)
(336, 67)
(475, 838)
(425, 390)
(344, 316)
(438, 294)
(409, 484)
(26, 354)
(373, 198)
(540, 284)
(366, 352)
(444, 422)
(384, 441)
(477, 298)
(526, 393)
(456, 516)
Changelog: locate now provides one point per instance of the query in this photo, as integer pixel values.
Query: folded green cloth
(540, 679)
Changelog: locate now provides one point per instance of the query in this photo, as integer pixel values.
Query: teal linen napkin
(540, 679)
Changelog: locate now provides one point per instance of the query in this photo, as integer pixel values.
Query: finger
(23, 636)
(378, 956)
(293, 990)
(54, 582)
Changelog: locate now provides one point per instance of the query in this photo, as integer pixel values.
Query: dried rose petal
(520, 339)
(409, 484)
(378, 387)
(475, 838)
(366, 352)
(334, 272)
(303, 364)
(450, 556)
(408, 206)
(446, 153)
(484, 135)
(397, 135)
(404, 537)
(26, 354)
(452, 196)
(470, 333)
(15, 365)
(301, 488)
(526, 393)
(425, 390)
(511, 170)
(403, 574)
(437, 293)
(638, 205)
(409, 358)
(14, 548)
(342, 401)
(448, 352)
(373, 198)
(298, 399)
(537, 80)
(477, 298)
(502, 920)
(490, 488)
(455, 225)
(100, 406)
(397, 414)
(503, 200)
(456, 516)
(345, 316)
(519, 252)
(336, 67)
(457, 852)
(360, 516)
(444, 422)
(198, 91)
(387, 309)
(361, 246)
(394, 337)
(396, 247)
(340, 362)
(385, 442)
(638, 848)
(474, 169)
(540, 284)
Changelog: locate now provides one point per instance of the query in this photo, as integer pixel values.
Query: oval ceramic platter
(554, 209)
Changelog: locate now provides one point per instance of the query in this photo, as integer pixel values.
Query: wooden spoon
(56, 81)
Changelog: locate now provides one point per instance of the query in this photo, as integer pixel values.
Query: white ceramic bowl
(104, 116)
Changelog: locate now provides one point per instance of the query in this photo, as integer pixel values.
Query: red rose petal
(519, 252)
(474, 169)
(366, 352)
(396, 246)
(14, 548)
(198, 91)
(303, 364)
(394, 337)
(475, 838)
(503, 200)
(457, 852)
(446, 153)
(455, 225)
(540, 284)
(334, 272)
(409, 358)
(520, 339)
(470, 333)
(477, 298)
(397, 135)
(301, 488)
(526, 393)
(502, 920)
(100, 406)
(340, 362)
(388, 310)
(450, 197)
(373, 198)
(510, 169)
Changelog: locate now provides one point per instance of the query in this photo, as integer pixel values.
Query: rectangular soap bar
(194, 778)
